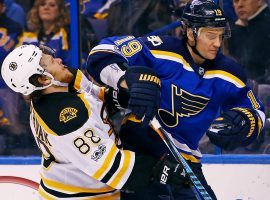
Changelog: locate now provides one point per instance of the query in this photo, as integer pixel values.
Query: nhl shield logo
(67, 114)
(13, 66)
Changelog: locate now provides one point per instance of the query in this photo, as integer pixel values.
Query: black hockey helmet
(204, 13)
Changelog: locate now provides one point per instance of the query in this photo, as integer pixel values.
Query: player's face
(209, 41)
(48, 11)
(56, 68)
(246, 8)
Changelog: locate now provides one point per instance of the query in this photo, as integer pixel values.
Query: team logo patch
(13, 66)
(99, 152)
(67, 114)
(184, 104)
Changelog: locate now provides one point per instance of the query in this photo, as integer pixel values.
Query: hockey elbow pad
(235, 127)
(144, 88)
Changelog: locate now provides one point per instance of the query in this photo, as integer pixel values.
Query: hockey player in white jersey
(81, 157)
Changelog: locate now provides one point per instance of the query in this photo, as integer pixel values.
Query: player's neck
(53, 89)
(196, 58)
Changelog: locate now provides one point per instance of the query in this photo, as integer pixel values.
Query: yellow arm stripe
(253, 100)
(124, 167)
(171, 56)
(78, 80)
(86, 103)
(45, 195)
(220, 74)
(70, 188)
(260, 125)
(43, 124)
(107, 163)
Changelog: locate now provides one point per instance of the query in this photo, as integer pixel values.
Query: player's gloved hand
(168, 171)
(144, 88)
(234, 128)
(115, 100)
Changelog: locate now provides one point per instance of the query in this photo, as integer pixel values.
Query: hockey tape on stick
(167, 139)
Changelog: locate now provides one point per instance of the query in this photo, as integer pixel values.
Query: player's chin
(211, 55)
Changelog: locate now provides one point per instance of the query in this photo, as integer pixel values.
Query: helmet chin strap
(53, 82)
(194, 48)
(58, 83)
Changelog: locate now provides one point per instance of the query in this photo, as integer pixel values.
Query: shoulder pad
(61, 112)
(163, 43)
(228, 65)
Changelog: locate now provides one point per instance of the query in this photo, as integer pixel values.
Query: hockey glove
(116, 100)
(234, 128)
(144, 88)
(168, 171)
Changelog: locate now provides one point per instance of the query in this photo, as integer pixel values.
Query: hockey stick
(167, 139)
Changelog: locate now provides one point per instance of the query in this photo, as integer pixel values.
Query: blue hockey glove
(234, 128)
(168, 171)
(144, 88)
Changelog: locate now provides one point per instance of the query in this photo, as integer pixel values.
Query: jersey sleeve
(103, 60)
(240, 94)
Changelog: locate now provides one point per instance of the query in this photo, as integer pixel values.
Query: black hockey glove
(168, 171)
(144, 88)
(234, 128)
(116, 99)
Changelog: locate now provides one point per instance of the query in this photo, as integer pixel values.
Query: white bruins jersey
(81, 159)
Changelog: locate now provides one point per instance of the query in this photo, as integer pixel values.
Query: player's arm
(241, 121)
(136, 86)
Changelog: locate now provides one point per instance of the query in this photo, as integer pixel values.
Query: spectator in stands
(16, 12)
(250, 39)
(9, 31)
(137, 17)
(10, 123)
(48, 22)
(249, 44)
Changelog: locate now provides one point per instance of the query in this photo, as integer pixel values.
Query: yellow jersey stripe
(172, 56)
(64, 39)
(43, 124)
(124, 167)
(86, 103)
(45, 195)
(190, 157)
(101, 15)
(132, 118)
(222, 74)
(78, 80)
(107, 163)
(70, 188)
(114, 196)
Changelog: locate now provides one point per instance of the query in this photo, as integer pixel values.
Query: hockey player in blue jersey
(202, 91)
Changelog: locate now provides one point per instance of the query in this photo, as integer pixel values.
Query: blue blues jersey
(58, 42)
(9, 31)
(192, 95)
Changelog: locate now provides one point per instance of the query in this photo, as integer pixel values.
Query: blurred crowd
(47, 22)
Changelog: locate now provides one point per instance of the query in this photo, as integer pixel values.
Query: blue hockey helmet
(204, 13)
